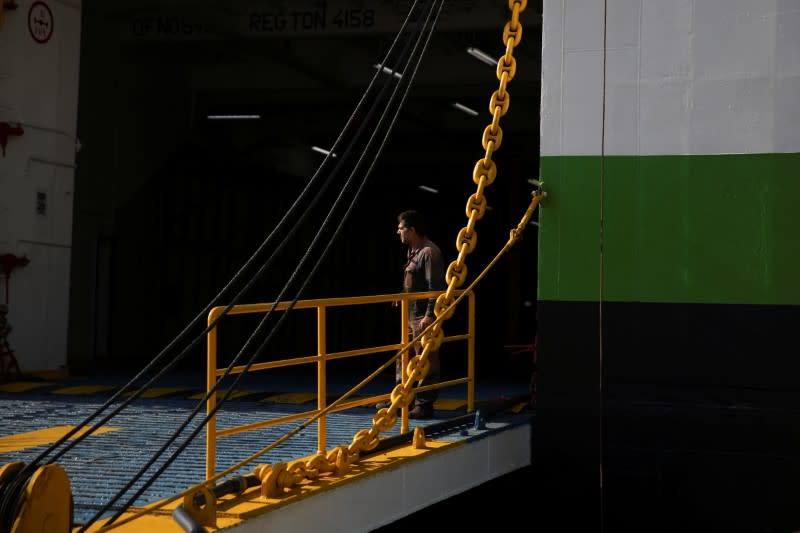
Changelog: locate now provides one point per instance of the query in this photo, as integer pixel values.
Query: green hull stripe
(691, 229)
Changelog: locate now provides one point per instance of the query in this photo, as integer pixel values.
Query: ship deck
(462, 450)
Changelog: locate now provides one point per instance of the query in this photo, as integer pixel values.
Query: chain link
(278, 477)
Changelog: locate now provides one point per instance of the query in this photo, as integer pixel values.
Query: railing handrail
(324, 302)
(321, 358)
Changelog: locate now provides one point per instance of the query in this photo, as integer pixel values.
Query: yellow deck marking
(21, 386)
(449, 405)
(333, 397)
(220, 394)
(83, 389)
(20, 441)
(50, 374)
(291, 397)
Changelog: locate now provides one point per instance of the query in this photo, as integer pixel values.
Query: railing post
(471, 354)
(322, 379)
(404, 359)
(211, 403)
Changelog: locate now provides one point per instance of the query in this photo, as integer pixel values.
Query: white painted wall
(682, 77)
(39, 90)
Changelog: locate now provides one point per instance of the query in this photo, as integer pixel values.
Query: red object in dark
(6, 130)
(8, 361)
(9, 262)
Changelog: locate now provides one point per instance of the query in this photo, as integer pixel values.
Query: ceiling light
(429, 189)
(465, 109)
(483, 56)
(322, 151)
(233, 117)
(387, 70)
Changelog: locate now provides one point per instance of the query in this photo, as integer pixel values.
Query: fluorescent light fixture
(465, 109)
(233, 117)
(481, 55)
(429, 189)
(322, 151)
(387, 70)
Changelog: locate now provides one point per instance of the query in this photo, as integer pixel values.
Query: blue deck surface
(102, 464)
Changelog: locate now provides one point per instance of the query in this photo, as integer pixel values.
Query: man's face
(404, 232)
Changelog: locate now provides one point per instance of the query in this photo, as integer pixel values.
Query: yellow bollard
(46, 503)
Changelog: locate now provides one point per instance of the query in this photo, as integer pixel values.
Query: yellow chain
(338, 460)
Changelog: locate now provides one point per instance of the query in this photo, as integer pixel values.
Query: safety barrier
(322, 357)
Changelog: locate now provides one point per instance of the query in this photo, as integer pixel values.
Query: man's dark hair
(413, 219)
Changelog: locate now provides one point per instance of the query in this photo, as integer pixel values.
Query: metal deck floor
(103, 463)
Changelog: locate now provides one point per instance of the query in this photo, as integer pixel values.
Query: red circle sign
(40, 22)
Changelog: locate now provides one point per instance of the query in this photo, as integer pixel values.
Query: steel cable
(9, 495)
(304, 260)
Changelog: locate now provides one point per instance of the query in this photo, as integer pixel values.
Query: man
(423, 271)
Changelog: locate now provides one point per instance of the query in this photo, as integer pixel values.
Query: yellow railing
(322, 357)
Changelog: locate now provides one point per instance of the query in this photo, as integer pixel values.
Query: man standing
(423, 271)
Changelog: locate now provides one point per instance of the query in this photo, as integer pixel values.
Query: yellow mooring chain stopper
(46, 503)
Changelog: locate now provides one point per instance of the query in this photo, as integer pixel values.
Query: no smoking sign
(40, 22)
